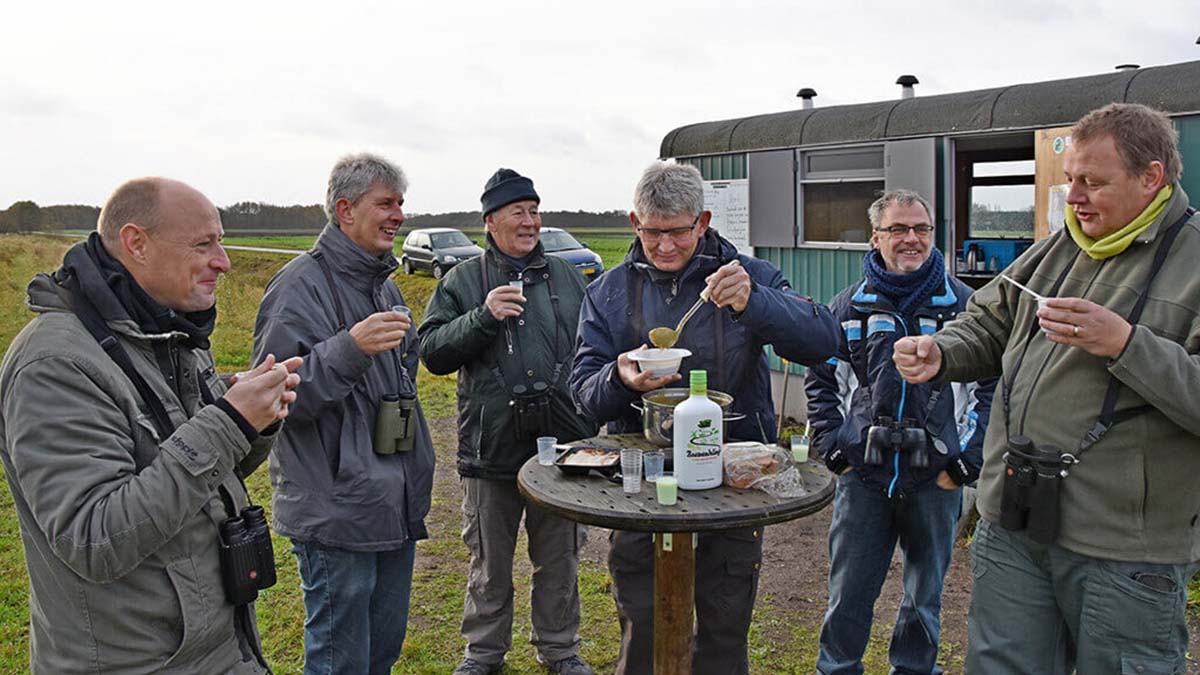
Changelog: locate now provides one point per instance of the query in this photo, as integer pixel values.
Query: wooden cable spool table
(595, 500)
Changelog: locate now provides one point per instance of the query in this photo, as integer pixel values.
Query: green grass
(782, 639)
(611, 245)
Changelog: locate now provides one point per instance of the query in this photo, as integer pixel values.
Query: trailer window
(1002, 198)
(837, 212)
(836, 187)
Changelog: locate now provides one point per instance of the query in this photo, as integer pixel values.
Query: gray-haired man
(352, 503)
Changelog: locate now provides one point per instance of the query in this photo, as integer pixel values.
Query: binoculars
(903, 436)
(247, 556)
(530, 411)
(1029, 496)
(395, 424)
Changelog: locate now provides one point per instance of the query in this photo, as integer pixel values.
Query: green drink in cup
(800, 448)
(667, 487)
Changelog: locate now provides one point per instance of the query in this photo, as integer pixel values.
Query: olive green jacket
(1134, 495)
(460, 334)
(119, 525)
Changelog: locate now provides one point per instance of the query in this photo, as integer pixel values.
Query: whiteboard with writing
(729, 202)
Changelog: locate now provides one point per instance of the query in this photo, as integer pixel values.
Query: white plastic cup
(1041, 303)
(519, 285)
(800, 448)
(401, 309)
(545, 450)
(653, 461)
(631, 470)
(667, 489)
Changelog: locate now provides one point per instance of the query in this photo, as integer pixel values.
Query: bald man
(125, 452)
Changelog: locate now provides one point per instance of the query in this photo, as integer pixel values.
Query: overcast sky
(256, 100)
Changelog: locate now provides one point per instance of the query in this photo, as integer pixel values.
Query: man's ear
(1154, 177)
(489, 223)
(343, 210)
(705, 219)
(133, 242)
(633, 220)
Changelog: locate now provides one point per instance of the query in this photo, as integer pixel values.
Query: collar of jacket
(500, 260)
(360, 270)
(1176, 206)
(866, 299)
(713, 251)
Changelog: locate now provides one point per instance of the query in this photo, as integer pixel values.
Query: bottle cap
(698, 381)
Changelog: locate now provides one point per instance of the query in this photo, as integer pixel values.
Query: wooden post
(674, 602)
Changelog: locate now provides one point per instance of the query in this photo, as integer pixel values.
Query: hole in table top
(683, 510)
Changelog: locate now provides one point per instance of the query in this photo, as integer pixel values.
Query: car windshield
(558, 241)
(450, 239)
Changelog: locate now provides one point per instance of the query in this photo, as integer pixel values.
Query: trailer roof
(1173, 88)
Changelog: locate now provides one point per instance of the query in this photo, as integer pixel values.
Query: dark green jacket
(459, 333)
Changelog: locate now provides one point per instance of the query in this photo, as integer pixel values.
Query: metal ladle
(665, 338)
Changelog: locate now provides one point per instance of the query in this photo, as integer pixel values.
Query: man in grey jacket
(352, 501)
(120, 494)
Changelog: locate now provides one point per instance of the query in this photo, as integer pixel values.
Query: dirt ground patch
(792, 593)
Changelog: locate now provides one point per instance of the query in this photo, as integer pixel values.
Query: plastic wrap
(762, 467)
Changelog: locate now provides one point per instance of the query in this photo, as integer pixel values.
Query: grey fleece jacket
(330, 485)
(119, 525)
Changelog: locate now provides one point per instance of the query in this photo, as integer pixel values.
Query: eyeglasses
(677, 234)
(901, 230)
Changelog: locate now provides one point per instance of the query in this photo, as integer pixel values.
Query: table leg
(674, 602)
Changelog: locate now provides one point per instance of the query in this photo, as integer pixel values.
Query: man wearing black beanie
(506, 321)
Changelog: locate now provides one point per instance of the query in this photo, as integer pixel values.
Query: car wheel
(408, 268)
(437, 271)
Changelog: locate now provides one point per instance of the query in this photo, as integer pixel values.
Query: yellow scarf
(1112, 244)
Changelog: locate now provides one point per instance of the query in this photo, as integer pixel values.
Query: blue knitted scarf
(906, 291)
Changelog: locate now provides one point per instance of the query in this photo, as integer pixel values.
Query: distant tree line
(260, 218)
(990, 219)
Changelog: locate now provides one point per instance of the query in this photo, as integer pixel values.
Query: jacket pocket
(194, 608)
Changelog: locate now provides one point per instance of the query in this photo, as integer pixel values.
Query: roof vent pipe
(1128, 66)
(906, 83)
(806, 97)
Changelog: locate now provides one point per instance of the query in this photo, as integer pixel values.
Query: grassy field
(780, 641)
(611, 246)
(433, 646)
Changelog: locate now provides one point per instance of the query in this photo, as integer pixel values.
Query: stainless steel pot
(658, 412)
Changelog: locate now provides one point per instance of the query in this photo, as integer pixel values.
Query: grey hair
(354, 175)
(668, 190)
(135, 201)
(900, 197)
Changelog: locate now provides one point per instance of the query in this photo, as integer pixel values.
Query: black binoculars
(530, 410)
(903, 436)
(247, 556)
(395, 423)
(1029, 498)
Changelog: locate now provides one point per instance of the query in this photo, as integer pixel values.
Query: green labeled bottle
(698, 437)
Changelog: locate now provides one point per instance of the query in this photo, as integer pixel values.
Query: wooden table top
(594, 500)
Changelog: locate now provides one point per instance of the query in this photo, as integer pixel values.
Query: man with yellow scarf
(1088, 493)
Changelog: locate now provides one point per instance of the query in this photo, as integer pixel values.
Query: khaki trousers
(492, 511)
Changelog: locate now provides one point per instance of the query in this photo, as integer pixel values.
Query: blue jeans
(356, 606)
(1044, 609)
(862, 537)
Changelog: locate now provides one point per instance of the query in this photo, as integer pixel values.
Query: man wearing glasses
(902, 451)
(674, 257)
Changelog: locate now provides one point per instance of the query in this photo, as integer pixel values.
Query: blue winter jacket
(627, 301)
(841, 411)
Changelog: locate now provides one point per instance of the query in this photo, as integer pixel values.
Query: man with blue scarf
(902, 451)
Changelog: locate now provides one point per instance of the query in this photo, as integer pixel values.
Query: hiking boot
(470, 666)
(572, 665)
